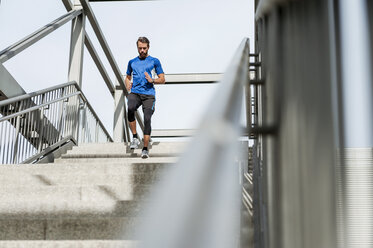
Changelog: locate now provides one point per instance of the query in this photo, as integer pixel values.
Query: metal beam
(87, 41)
(105, 47)
(172, 133)
(94, 23)
(9, 87)
(193, 78)
(68, 5)
(21, 45)
(100, 66)
(77, 48)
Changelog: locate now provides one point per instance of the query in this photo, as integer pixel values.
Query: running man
(142, 91)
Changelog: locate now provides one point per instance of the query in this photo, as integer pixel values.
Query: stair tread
(99, 162)
(116, 160)
(68, 209)
(70, 244)
(108, 228)
(74, 192)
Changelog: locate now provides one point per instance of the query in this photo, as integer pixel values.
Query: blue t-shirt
(137, 67)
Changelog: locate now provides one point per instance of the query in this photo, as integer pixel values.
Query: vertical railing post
(82, 123)
(41, 126)
(127, 134)
(118, 134)
(120, 125)
(61, 116)
(77, 46)
(16, 136)
(76, 59)
(77, 107)
(97, 131)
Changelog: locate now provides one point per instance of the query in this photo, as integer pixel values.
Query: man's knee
(133, 103)
(131, 113)
(132, 108)
(131, 116)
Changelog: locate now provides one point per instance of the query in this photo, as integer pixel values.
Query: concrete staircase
(91, 197)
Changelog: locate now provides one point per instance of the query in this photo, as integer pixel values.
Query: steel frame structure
(77, 13)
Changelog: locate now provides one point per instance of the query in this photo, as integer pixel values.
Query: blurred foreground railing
(33, 125)
(204, 186)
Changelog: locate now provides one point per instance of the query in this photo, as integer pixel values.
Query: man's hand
(128, 83)
(149, 78)
(129, 86)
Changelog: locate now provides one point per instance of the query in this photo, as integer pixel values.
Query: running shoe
(145, 154)
(135, 143)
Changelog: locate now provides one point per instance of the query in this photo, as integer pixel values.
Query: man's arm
(159, 80)
(128, 82)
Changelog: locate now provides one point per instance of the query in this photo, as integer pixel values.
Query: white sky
(188, 36)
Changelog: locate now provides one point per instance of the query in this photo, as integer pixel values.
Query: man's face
(142, 48)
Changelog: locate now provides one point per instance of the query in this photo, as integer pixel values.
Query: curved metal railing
(33, 125)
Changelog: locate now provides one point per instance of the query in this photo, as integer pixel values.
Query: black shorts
(135, 100)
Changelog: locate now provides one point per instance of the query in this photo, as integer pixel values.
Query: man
(142, 91)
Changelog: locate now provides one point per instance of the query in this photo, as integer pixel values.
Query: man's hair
(143, 40)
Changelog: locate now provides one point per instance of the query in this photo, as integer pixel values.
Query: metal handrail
(25, 126)
(8, 117)
(204, 185)
(29, 40)
(36, 93)
(60, 86)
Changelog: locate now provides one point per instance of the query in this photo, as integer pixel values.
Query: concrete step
(179, 147)
(113, 155)
(113, 145)
(91, 197)
(78, 228)
(121, 148)
(136, 160)
(70, 244)
(64, 209)
(82, 179)
(108, 192)
(91, 168)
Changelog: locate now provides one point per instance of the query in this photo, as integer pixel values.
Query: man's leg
(134, 101)
(133, 127)
(146, 140)
(148, 106)
(148, 112)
